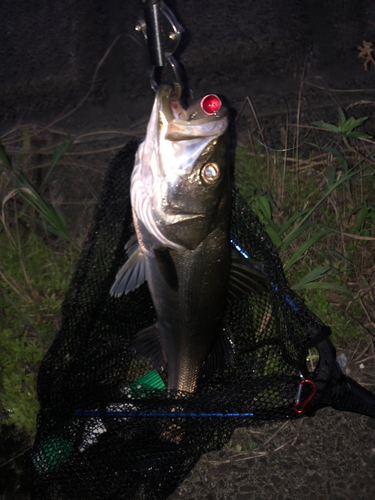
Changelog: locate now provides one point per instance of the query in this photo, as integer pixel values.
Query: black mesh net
(102, 433)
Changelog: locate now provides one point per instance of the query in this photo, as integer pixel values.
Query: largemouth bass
(181, 202)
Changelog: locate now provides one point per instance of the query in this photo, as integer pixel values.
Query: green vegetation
(35, 269)
(34, 279)
(319, 211)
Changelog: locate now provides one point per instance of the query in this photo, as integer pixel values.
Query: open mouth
(208, 109)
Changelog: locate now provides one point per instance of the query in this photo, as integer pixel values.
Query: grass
(323, 224)
(317, 204)
(34, 279)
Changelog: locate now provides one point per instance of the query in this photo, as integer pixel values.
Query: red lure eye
(211, 104)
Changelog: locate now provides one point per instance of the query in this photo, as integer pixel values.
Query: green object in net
(52, 452)
(149, 381)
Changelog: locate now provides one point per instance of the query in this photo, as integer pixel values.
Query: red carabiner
(298, 398)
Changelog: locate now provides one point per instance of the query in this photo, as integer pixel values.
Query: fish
(180, 194)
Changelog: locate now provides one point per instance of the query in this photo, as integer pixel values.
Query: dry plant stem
(359, 103)
(15, 286)
(256, 118)
(369, 292)
(291, 441)
(264, 454)
(267, 440)
(359, 153)
(339, 221)
(251, 141)
(309, 166)
(355, 236)
(355, 352)
(82, 203)
(100, 63)
(215, 462)
(47, 150)
(67, 163)
(95, 151)
(85, 180)
(297, 135)
(363, 352)
(311, 361)
(3, 218)
(13, 458)
(265, 320)
(285, 157)
(113, 133)
(337, 90)
(365, 310)
(366, 359)
(248, 100)
(274, 435)
(313, 192)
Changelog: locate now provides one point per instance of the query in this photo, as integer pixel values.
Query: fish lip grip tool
(162, 31)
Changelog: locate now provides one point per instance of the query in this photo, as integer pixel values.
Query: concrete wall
(49, 50)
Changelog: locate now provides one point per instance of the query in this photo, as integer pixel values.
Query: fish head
(181, 183)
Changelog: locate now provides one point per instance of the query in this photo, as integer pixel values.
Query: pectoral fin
(246, 276)
(166, 267)
(148, 344)
(133, 272)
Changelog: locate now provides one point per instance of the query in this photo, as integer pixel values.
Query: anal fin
(147, 344)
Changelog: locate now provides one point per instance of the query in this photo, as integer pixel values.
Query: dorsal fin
(246, 276)
(222, 353)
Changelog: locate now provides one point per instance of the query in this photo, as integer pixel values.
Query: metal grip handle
(153, 20)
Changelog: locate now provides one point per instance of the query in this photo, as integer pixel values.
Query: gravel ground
(330, 456)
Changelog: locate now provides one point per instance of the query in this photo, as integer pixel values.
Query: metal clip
(162, 32)
(299, 392)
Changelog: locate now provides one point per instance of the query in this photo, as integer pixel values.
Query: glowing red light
(211, 104)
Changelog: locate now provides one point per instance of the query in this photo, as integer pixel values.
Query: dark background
(49, 51)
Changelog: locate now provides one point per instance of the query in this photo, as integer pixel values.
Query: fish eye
(210, 173)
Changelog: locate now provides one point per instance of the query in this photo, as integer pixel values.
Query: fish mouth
(183, 134)
(171, 218)
(190, 123)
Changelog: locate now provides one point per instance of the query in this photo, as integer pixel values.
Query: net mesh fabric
(91, 366)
